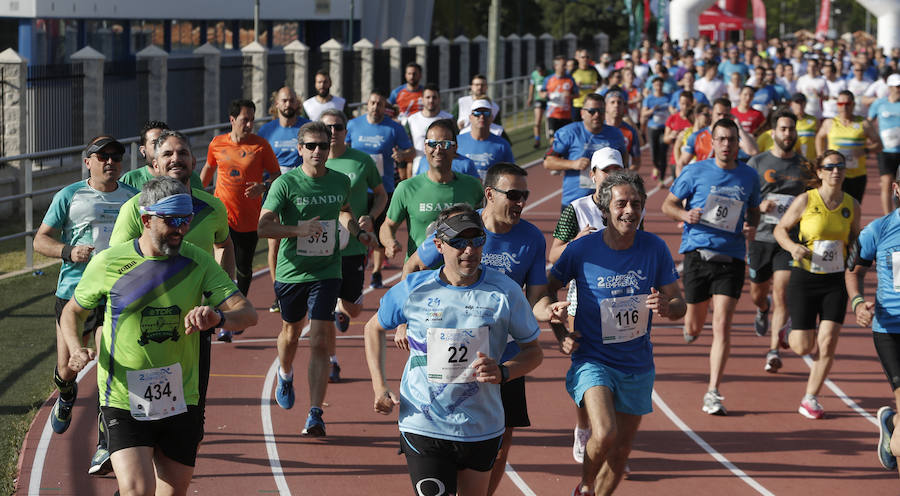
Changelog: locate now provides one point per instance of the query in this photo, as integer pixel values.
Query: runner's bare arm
(790, 219)
(224, 253)
(385, 400)
(71, 320)
(388, 237)
(270, 227)
(667, 302)
(46, 243)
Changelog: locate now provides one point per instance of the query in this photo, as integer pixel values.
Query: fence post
(443, 45)
(255, 86)
(394, 47)
(92, 106)
(421, 47)
(14, 70)
(212, 75)
(156, 97)
(530, 53)
(464, 76)
(481, 41)
(366, 67)
(571, 42)
(516, 65)
(333, 48)
(298, 55)
(548, 52)
(501, 58)
(601, 40)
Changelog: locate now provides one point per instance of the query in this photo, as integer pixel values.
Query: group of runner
(160, 257)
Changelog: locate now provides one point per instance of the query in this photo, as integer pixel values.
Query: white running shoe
(712, 403)
(581, 439)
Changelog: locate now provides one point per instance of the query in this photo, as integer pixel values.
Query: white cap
(893, 80)
(479, 104)
(604, 158)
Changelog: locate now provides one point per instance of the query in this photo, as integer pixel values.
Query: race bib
(584, 179)
(105, 214)
(895, 268)
(155, 394)
(782, 202)
(850, 160)
(624, 318)
(891, 137)
(318, 245)
(452, 351)
(827, 256)
(101, 233)
(379, 162)
(721, 212)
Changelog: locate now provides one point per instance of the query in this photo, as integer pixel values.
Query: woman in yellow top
(849, 135)
(828, 223)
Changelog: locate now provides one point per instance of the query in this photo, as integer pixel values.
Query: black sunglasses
(313, 145)
(592, 111)
(336, 127)
(514, 194)
(103, 156)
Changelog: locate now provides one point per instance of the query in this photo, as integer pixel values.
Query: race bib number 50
(155, 394)
(452, 351)
(721, 212)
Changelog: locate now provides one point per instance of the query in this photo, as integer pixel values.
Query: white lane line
(40, 454)
(843, 396)
(657, 399)
(518, 481)
(269, 432)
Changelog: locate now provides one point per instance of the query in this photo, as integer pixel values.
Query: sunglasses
(460, 243)
(514, 194)
(313, 145)
(842, 104)
(103, 156)
(336, 127)
(481, 113)
(176, 221)
(592, 111)
(445, 144)
(837, 165)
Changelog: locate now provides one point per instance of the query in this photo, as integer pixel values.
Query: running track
(764, 446)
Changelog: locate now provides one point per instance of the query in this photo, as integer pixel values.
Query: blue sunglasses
(176, 221)
(460, 243)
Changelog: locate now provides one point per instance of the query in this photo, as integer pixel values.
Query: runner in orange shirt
(241, 157)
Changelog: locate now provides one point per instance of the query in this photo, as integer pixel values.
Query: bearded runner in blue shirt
(623, 275)
(459, 318)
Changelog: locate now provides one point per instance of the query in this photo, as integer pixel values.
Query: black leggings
(888, 348)
(658, 149)
(244, 249)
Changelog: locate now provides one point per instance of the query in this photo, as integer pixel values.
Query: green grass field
(27, 335)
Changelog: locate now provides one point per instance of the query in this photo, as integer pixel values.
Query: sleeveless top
(826, 233)
(588, 213)
(847, 139)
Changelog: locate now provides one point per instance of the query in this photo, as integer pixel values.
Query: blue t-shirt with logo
(699, 97)
(378, 140)
(704, 178)
(601, 272)
(877, 243)
(470, 411)
(888, 115)
(283, 141)
(484, 153)
(660, 106)
(572, 142)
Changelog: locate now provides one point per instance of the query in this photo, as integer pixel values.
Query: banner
(759, 20)
(824, 15)
(662, 20)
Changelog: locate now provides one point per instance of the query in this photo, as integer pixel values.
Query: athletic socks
(289, 376)
(66, 388)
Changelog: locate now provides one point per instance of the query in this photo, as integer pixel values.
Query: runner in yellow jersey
(850, 135)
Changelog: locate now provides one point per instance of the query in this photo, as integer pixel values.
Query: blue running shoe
(284, 393)
(100, 463)
(315, 426)
(224, 336)
(341, 321)
(887, 459)
(61, 415)
(335, 375)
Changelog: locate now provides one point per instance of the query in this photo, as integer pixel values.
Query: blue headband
(180, 204)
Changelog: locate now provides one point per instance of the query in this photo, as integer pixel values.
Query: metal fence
(120, 96)
(184, 87)
(55, 103)
(231, 81)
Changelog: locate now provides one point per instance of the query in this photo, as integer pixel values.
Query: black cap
(100, 143)
(451, 227)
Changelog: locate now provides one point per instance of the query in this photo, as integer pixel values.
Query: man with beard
(408, 97)
(137, 177)
(77, 226)
(418, 123)
(477, 91)
(148, 364)
(241, 158)
(783, 174)
(323, 99)
(281, 133)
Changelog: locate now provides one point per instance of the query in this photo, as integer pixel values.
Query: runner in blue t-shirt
(575, 143)
(880, 242)
(885, 112)
(480, 145)
(281, 131)
(722, 203)
(459, 318)
(623, 275)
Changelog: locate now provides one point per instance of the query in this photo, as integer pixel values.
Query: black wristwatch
(504, 373)
(221, 319)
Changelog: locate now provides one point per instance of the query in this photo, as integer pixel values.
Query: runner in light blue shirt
(281, 132)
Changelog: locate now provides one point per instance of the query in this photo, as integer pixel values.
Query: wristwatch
(504, 373)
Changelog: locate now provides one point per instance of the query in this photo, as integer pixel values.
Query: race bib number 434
(155, 394)
(452, 351)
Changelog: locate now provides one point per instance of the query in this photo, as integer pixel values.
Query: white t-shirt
(418, 124)
(712, 89)
(314, 109)
(813, 88)
(465, 108)
(790, 87)
(858, 88)
(878, 89)
(832, 88)
(496, 129)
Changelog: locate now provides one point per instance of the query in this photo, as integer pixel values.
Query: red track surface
(762, 447)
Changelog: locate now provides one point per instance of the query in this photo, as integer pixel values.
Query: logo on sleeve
(159, 324)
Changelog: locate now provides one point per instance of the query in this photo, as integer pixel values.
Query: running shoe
(761, 322)
(341, 321)
(537, 142)
(61, 415)
(100, 463)
(688, 338)
(773, 361)
(375, 282)
(581, 439)
(315, 426)
(284, 393)
(335, 376)
(885, 429)
(712, 403)
(276, 307)
(224, 336)
(579, 492)
(810, 408)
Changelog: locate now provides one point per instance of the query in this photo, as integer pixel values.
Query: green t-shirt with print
(147, 299)
(363, 174)
(296, 197)
(137, 177)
